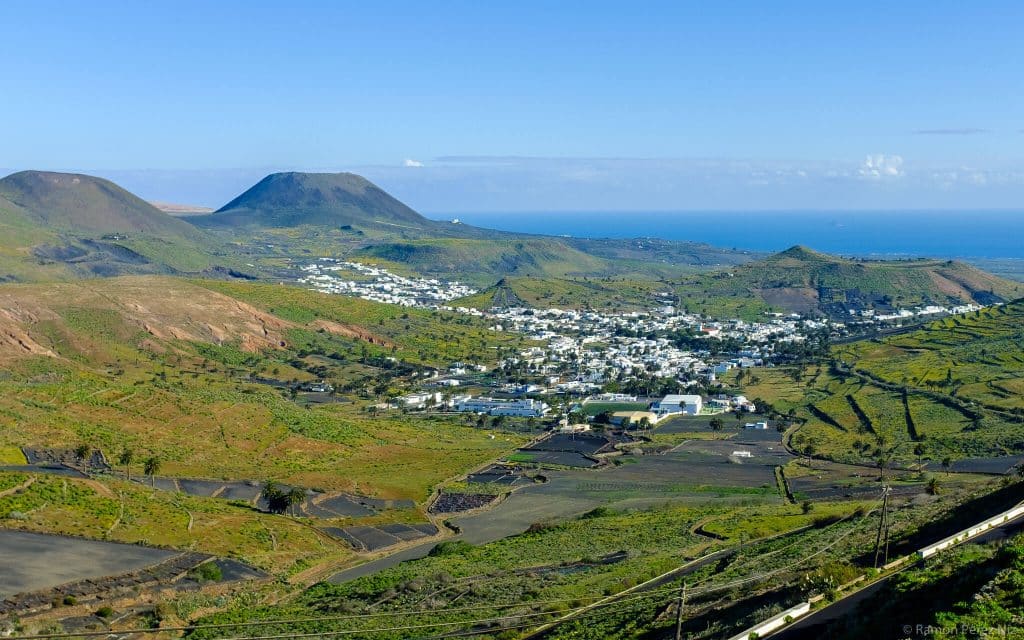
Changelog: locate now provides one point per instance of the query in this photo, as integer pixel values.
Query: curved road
(816, 625)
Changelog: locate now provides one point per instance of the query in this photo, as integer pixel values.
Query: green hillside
(602, 294)
(87, 204)
(185, 375)
(60, 225)
(952, 389)
(806, 281)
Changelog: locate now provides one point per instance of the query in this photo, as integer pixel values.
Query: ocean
(879, 234)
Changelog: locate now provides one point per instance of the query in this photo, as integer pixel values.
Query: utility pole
(883, 527)
(885, 536)
(679, 612)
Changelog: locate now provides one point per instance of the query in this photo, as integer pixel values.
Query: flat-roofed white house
(688, 404)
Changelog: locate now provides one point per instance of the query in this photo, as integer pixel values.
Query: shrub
(70, 601)
(209, 572)
(450, 548)
(597, 512)
(104, 612)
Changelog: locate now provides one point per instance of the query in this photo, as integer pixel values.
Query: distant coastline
(980, 235)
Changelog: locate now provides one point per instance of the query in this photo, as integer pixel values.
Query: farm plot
(458, 502)
(701, 424)
(995, 465)
(749, 448)
(596, 408)
(565, 450)
(587, 444)
(824, 481)
(370, 538)
(687, 477)
(555, 458)
(34, 561)
(316, 505)
(52, 469)
(499, 475)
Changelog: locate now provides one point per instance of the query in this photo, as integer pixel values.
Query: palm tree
(947, 462)
(296, 497)
(151, 468)
(126, 458)
(82, 452)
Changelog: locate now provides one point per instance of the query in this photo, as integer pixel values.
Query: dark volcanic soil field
(33, 561)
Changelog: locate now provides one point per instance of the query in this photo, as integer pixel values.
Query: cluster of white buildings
(522, 408)
(374, 283)
(580, 351)
(583, 350)
(918, 312)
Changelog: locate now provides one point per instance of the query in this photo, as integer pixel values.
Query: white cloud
(409, 162)
(879, 166)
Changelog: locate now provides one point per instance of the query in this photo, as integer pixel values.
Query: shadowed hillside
(328, 199)
(87, 204)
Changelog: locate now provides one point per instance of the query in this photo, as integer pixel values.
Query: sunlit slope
(174, 368)
(948, 391)
(805, 281)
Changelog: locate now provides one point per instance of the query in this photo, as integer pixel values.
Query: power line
(337, 618)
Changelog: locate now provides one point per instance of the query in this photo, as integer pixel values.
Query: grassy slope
(18, 234)
(602, 294)
(68, 211)
(127, 512)
(789, 281)
(169, 376)
(960, 374)
(970, 592)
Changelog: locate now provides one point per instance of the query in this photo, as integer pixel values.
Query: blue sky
(529, 105)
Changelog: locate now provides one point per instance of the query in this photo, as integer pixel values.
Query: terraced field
(946, 391)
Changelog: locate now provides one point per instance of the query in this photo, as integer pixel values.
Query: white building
(419, 400)
(688, 404)
(495, 407)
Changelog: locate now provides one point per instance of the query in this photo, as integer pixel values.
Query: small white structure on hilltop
(687, 404)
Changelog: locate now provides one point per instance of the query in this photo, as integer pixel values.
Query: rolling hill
(60, 225)
(806, 281)
(87, 204)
